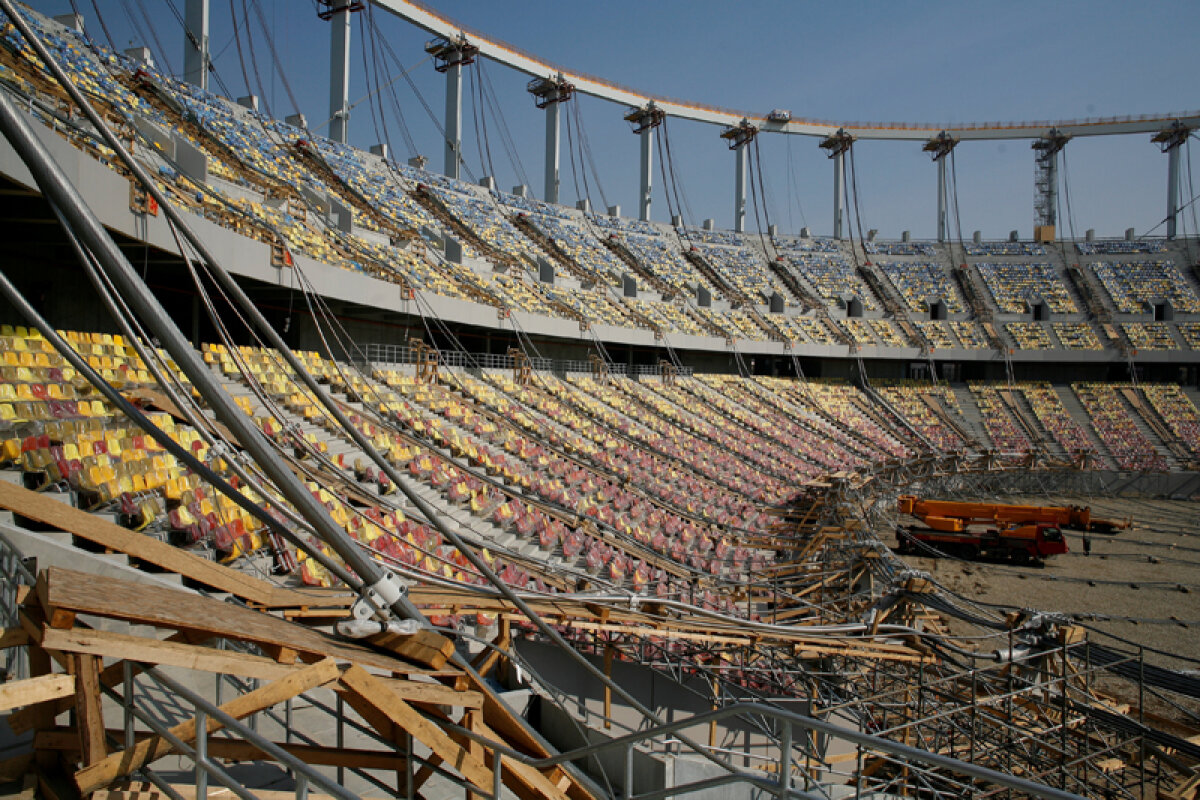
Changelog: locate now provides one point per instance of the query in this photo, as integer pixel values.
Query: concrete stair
(971, 419)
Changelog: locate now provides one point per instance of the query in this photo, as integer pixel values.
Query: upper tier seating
(1133, 285)
(1121, 247)
(920, 283)
(1004, 249)
(1014, 286)
(898, 248)
(1149, 335)
(1030, 335)
(827, 271)
(1077, 335)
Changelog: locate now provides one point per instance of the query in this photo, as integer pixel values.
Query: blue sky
(880, 61)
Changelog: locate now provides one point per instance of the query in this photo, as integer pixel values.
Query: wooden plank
(21, 721)
(423, 647)
(537, 783)
(227, 662)
(67, 741)
(88, 712)
(13, 637)
(144, 548)
(121, 763)
(377, 694)
(36, 690)
(170, 608)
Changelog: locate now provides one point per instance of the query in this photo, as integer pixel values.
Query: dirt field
(1142, 584)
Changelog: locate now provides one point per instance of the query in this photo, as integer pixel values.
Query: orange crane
(951, 516)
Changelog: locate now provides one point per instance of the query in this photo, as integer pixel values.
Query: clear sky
(878, 61)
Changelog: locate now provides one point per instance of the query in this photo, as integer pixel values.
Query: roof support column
(453, 121)
(739, 136)
(837, 146)
(339, 69)
(644, 121)
(1170, 141)
(550, 191)
(450, 56)
(195, 43)
(941, 199)
(939, 148)
(740, 155)
(549, 93)
(839, 193)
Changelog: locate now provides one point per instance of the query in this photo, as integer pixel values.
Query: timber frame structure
(1048, 703)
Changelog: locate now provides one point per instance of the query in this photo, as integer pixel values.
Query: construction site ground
(1141, 584)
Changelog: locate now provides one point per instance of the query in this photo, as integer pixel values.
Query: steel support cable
(162, 51)
(378, 588)
(681, 201)
(276, 61)
(498, 112)
(18, 301)
(586, 150)
(371, 76)
(954, 199)
(55, 186)
(103, 25)
(232, 416)
(165, 378)
(262, 86)
(390, 86)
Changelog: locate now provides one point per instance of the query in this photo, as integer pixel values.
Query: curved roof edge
(429, 20)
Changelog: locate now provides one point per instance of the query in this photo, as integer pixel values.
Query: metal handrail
(204, 708)
(787, 719)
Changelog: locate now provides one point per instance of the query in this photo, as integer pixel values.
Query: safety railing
(14, 573)
(786, 764)
(382, 354)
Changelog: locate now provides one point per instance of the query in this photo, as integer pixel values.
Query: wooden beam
(88, 709)
(162, 607)
(15, 694)
(121, 763)
(144, 548)
(378, 695)
(13, 637)
(67, 740)
(226, 662)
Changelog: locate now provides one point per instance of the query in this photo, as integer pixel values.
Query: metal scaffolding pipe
(57, 188)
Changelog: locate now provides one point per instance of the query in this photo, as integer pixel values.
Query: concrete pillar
(646, 172)
(1172, 189)
(941, 199)
(551, 191)
(339, 73)
(453, 122)
(741, 161)
(839, 193)
(195, 43)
